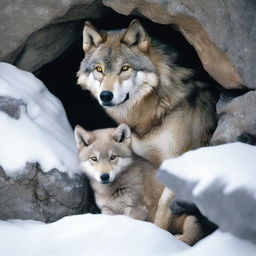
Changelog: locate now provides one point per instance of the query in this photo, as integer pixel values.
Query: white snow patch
(221, 244)
(96, 235)
(42, 134)
(233, 165)
(90, 235)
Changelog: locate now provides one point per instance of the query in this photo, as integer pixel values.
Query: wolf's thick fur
(131, 188)
(135, 79)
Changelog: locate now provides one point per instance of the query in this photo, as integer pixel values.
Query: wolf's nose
(106, 96)
(104, 177)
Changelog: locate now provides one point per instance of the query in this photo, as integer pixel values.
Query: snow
(87, 235)
(96, 235)
(233, 165)
(221, 244)
(42, 134)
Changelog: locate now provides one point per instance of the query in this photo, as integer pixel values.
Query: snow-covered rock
(221, 181)
(90, 235)
(39, 176)
(42, 133)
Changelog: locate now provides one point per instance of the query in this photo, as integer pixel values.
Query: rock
(43, 196)
(228, 56)
(220, 180)
(11, 106)
(42, 30)
(39, 171)
(236, 117)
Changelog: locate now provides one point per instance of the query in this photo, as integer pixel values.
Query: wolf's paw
(185, 239)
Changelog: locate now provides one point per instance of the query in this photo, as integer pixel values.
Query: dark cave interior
(60, 75)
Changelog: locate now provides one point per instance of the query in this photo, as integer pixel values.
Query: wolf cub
(123, 182)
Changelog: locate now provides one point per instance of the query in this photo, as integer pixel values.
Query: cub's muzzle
(104, 178)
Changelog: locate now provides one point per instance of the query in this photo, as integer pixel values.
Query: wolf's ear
(83, 138)
(91, 37)
(136, 35)
(122, 134)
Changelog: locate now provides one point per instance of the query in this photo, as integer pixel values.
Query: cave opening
(81, 108)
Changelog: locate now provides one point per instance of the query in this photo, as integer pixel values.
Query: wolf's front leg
(192, 231)
(137, 212)
(163, 218)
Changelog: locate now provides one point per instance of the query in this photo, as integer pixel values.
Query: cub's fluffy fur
(123, 182)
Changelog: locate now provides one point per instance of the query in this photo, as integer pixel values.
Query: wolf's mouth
(110, 104)
(126, 98)
(105, 182)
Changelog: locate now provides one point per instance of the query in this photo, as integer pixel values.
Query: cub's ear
(83, 138)
(91, 37)
(122, 134)
(136, 35)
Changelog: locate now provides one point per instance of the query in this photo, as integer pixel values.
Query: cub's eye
(99, 69)
(125, 68)
(94, 158)
(113, 157)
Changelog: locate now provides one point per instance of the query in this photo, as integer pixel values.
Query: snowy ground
(97, 235)
(88, 235)
(42, 133)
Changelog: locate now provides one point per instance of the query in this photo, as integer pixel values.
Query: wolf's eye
(125, 68)
(99, 69)
(113, 157)
(94, 158)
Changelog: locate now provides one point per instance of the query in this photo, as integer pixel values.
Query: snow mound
(96, 235)
(41, 134)
(233, 165)
(88, 234)
(221, 181)
(221, 244)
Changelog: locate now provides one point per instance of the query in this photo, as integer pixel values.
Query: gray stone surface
(43, 196)
(233, 212)
(35, 32)
(237, 115)
(222, 32)
(11, 106)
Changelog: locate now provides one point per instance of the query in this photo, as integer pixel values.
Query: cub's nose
(104, 177)
(106, 96)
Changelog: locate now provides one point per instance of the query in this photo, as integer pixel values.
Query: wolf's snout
(104, 177)
(106, 96)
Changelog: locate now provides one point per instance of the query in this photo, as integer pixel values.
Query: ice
(42, 134)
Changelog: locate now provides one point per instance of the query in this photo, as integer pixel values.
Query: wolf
(123, 182)
(135, 79)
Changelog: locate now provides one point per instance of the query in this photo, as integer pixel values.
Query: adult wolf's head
(117, 67)
(104, 153)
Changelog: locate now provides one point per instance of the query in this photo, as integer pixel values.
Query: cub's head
(104, 153)
(117, 67)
